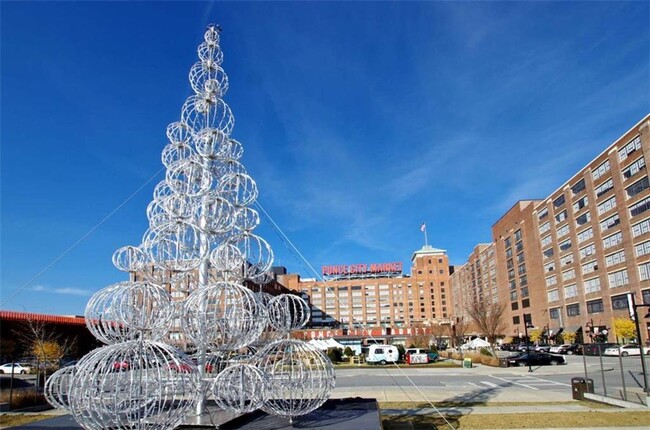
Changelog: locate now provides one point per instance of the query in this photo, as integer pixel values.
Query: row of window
(597, 306)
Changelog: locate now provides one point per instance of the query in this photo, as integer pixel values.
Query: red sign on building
(360, 269)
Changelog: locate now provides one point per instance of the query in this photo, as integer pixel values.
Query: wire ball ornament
(128, 311)
(191, 285)
(288, 312)
(240, 388)
(134, 385)
(224, 316)
(57, 387)
(301, 377)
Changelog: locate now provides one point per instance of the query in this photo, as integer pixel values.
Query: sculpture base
(335, 414)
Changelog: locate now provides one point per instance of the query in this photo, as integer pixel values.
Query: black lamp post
(528, 323)
(634, 315)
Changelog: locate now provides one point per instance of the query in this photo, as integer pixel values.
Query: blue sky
(359, 121)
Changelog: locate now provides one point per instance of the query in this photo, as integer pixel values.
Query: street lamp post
(528, 324)
(634, 315)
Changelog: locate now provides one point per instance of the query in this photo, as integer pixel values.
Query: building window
(518, 235)
(587, 250)
(592, 285)
(515, 320)
(645, 294)
(561, 216)
(634, 168)
(604, 187)
(642, 249)
(638, 187)
(551, 280)
(525, 303)
(607, 205)
(565, 245)
(542, 214)
(600, 170)
(546, 240)
(567, 259)
(522, 268)
(523, 280)
(559, 201)
(615, 258)
(619, 302)
(553, 295)
(508, 242)
(513, 296)
(554, 313)
(633, 145)
(618, 279)
(578, 187)
(544, 227)
(640, 207)
(573, 310)
(641, 228)
(568, 275)
(589, 267)
(580, 204)
(595, 306)
(548, 253)
(583, 219)
(613, 240)
(563, 231)
(514, 306)
(549, 267)
(610, 222)
(570, 291)
(585, 235)
(644, 271)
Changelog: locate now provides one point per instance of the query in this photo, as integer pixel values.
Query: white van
(382, 354)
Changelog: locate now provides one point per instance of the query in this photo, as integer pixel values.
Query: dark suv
(596, 348)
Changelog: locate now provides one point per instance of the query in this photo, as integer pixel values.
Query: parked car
(542, 347)
(565, 348)
(431, 356)
(597, 348)
(523, 347)
(535, 359)
(625, 350)
(19, 368)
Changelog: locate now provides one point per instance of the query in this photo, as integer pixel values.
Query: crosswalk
(529, 382)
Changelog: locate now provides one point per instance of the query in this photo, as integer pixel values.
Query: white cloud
(62, 291)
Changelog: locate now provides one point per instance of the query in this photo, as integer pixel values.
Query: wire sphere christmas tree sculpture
(188, 288)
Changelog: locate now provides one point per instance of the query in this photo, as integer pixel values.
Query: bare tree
(489, 319)
(457, 331)
(46, 345)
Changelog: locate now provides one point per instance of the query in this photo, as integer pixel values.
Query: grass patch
(23, 398)
(12, 420)
(421, 405)
(518, 421)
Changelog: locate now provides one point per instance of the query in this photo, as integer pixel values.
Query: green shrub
(486, 351)
(348, 352)
(334, 354)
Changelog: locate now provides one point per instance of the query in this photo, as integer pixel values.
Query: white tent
(476, 344)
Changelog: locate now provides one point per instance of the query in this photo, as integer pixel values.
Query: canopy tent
(323, 344)
(476, 344)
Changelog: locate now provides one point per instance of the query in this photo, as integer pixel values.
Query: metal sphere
(288, 312)
(174, 153)
(161, 191)
(240, 388)
(128, 311)
(231, 150)
(207, 77)
(247, 219)
(175, 246)
(301, 377)
(129, 259)
(134, 385)
(188, 177)
(223, 316)
(178, 133)
(270, 334)
(220, 215)
(209, 141)
(211, 35)
(57, 387)
(253, 257)
(201, 112)
(239, 188)
(210, 53)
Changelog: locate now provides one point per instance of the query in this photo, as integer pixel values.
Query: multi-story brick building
(571, 259)
(367, 296)
(474, 282)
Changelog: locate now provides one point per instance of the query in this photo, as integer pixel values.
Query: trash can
(503, 362)
(467, 363)
(580, 386)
